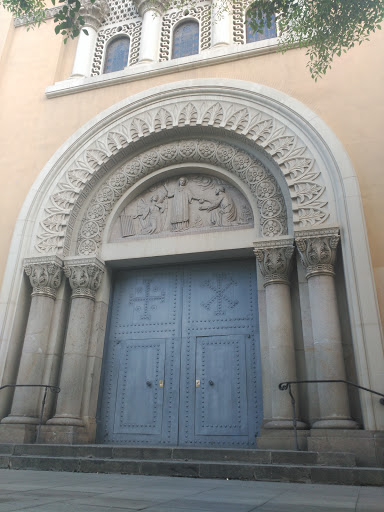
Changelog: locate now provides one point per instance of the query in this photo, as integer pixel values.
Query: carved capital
(44, 274)
(84, 276)
(317, 250)
(149, 5)
(94, 14)
(275, 259)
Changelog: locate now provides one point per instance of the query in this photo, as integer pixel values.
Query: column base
(333, 423)
(20, 420)
(366, 445)
(71, 421)
(285, 425)
(64, 434)
(17, 434)
(281, 439)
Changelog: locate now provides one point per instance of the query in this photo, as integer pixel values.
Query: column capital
(85, 275)
(149, 5)
(274, 257)
(95, 13)
(45, 273)
(317, 250)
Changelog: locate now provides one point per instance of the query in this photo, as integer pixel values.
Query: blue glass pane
(117, 55)
(257, 36)
(185, 40)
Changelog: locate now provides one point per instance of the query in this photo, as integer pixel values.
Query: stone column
(94, 14)
(318, 254)
(45, 275)
(274, 259)
(85, 276)
(150, 11)
(221, 24)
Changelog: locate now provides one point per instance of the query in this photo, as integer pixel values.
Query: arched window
(267, 33)
(185, 39)
(116, 57)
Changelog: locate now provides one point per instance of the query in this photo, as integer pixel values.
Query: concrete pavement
(44, 491)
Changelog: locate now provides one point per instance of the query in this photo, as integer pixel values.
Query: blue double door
(182, 357)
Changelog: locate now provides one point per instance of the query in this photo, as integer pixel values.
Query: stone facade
(190, 171)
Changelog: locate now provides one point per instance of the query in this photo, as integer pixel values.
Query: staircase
(269, 465)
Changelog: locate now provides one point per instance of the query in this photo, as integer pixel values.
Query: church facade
(189, 221)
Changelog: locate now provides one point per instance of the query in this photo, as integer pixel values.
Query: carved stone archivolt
(44, 274)
(271, 204)
(192, 202)
(275, 260)
(318, 250)
(84, 276)
(308, 194)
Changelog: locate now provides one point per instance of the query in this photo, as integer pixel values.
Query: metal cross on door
(182, 357)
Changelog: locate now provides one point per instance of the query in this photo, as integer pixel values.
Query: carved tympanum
(275, 259)
(84, 276)
(184, 203)
(44, 274)
(317, 250)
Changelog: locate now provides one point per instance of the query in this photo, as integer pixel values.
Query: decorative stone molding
(84, 276)
(304, 180)
(49, 13)
(94, 13)
(44, 274)
(131, 29)
(239, 11)
(317, 250)
(200, 12)
(275, 260)
(273, 220)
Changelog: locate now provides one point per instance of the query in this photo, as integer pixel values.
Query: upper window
(185, 39)
(116, 57)
(267, 33)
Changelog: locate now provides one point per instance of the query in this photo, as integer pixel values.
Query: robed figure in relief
(179, 213)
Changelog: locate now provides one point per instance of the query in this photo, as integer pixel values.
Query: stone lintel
(275, 259)
(318, 249)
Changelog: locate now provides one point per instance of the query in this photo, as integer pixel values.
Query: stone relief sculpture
(185, 203)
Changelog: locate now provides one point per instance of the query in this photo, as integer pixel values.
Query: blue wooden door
(182, 357)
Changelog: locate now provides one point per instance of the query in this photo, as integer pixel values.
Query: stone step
(200, 469)
(287, 457)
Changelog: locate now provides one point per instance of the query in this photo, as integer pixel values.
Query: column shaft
(82, 65)
(150, 36)
(84, 275)
(318, 254)
(275, 262)
(221, 26)
(45, 277)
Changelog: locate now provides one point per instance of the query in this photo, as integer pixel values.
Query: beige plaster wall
(32, 128)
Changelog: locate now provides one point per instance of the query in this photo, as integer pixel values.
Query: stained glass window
(117, 55)
(267, 33)
(185, 39)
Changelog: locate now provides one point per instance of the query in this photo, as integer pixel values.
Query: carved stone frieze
(303, 178)
(275, 260)
(192, 202)
(45, 274)
(84, 276)
(273, 221)
(318, 250)
(94, 13)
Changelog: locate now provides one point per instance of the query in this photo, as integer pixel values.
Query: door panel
(179, 324)
(221, 396)
(139, 394)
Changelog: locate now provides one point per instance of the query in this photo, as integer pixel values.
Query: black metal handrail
(283, 386)
(53, 389)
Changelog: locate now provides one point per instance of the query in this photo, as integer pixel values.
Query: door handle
(211, 383)
(197, 383)
(161, 383)
(149, 383)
